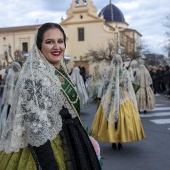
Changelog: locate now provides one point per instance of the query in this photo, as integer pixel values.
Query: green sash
(69, 91)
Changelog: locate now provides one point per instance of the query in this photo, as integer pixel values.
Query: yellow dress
(23, 160)
(129, 126)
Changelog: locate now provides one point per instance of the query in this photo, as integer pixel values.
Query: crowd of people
(161, 79)
(40, 125)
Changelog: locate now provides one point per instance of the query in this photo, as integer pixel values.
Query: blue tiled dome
(112, 13)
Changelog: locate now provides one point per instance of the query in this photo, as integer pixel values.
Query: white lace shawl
(142, 77)
(34, 116)
(96, 77)
(104, 82)
(10, 83)
(77, 79)
(115, 90)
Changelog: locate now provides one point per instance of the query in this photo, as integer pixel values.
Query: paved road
(151, 153)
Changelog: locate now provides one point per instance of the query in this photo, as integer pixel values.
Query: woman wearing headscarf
(144, 95)
(117, 119)
(77, 79)
(8, 92)
(43, 129)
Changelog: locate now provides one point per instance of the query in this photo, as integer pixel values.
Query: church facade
(85, 29)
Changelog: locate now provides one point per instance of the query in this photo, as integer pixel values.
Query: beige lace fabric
(96, 77)
(104, 82)
(95, 82)
(116, 81)
(142, 78)
(145, 96)
(34, 116)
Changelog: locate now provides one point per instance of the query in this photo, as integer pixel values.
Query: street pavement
(151, 153)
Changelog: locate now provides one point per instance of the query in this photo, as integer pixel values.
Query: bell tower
(82, 5)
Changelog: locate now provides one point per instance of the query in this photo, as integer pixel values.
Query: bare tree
(9, 51)
(134, 50)
(6, 57)
(8, 54)
(18, 55)
(129, 50)
(155, 59)
(103, 53)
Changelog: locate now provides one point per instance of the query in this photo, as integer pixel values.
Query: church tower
(80, 24)
(81, 6)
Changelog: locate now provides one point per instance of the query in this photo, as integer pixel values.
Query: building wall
(15, 40)
(95, 37)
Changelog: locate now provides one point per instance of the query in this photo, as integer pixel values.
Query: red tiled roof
(19, 28)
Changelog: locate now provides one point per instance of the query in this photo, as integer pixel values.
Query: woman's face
(53, 46)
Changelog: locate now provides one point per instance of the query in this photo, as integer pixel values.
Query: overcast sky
(145, 16)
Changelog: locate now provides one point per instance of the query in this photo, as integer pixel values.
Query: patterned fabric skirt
(145, 99)
(128, 128)
(72, 149)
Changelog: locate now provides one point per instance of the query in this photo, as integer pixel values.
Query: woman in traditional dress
(43, 129)
(77, 79)
(8, 93)
(145, 96)
(117, 119)
(95, 82)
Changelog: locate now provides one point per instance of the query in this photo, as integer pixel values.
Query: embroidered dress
(145, 96)
(44, 114)
(117, 118)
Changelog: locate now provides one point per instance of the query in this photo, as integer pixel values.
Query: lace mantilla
(143, 78)
(115, 90)
(34, 116)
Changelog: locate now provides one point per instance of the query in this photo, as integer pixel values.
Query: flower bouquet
(97, 149)
(95, 145)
